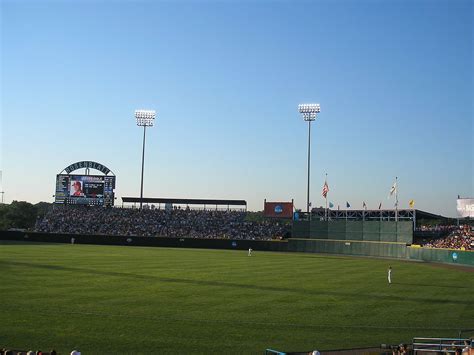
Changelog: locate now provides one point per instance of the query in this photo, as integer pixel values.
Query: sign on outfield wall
(278, 209)
(465, 207)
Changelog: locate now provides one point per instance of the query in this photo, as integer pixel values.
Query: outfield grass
(112, 299)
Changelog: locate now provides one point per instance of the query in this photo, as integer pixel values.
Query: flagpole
(396, 198)
(326, 198)
(326, 208)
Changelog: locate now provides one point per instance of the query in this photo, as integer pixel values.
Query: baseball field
(117, 299)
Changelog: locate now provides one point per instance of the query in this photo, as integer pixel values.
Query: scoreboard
(85, 190)
(465, 207)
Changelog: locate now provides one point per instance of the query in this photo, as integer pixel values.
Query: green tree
(19, 214)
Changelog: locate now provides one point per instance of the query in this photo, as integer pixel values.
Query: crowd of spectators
(459, 237)
(176, 223)
(436, 228)
(31, 352)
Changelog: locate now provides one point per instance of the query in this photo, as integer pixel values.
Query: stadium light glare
(309, 112)
(145, 118)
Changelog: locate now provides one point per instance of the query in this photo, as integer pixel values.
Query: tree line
(21, 214)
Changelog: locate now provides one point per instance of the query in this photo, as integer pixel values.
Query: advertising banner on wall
(278, 209)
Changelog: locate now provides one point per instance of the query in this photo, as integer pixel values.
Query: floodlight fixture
(145, 118)
(309, 111)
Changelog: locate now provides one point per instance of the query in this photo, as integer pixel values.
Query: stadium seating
(176, 223)
(459, 237)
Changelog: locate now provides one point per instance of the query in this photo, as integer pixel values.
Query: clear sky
(394, 80)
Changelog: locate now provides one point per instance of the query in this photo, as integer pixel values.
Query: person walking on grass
(389, 275)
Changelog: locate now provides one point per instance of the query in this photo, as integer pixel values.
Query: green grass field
(112, 299)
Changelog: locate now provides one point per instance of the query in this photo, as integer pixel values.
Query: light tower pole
(145, 118)
(309, 112)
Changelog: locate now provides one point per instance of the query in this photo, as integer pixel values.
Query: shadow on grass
(30, 242)
(453, 287)
(295, 290)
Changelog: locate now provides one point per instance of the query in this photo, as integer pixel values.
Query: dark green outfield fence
(375, 231)
(441, 255)
(331, 246)
(381, 249)
(349, 247)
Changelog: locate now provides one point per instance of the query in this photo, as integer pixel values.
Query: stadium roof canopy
(427, 215)
(185, 201)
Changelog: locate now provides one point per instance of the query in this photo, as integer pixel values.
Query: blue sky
(394, 80)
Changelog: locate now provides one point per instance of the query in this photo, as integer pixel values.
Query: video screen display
(85, 189)
(86, 186)
(465, 207)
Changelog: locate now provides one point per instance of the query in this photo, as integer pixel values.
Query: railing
(358, 215)
(271, 352)
(434, 345)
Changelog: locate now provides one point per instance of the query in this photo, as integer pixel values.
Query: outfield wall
(375, 231)
(441, 255)
(349, 247)
(381, 249)
(344, 247)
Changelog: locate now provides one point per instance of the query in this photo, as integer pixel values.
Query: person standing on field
(250, 252)
(389, 275)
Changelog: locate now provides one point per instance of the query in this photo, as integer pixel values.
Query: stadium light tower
(309, 112)
(145, 118)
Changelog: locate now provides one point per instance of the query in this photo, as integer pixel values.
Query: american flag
(325, 189)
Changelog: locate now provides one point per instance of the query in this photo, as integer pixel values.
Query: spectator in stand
(461, 237)
(176, 223)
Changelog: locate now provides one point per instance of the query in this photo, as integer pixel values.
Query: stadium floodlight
(145, 118)
(309, 112)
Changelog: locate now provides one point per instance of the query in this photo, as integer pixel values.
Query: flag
(331, 205)
(364, 205)
(380, 206)
(325, 189)
(348, 205)
(412, 203)
(393, 189)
